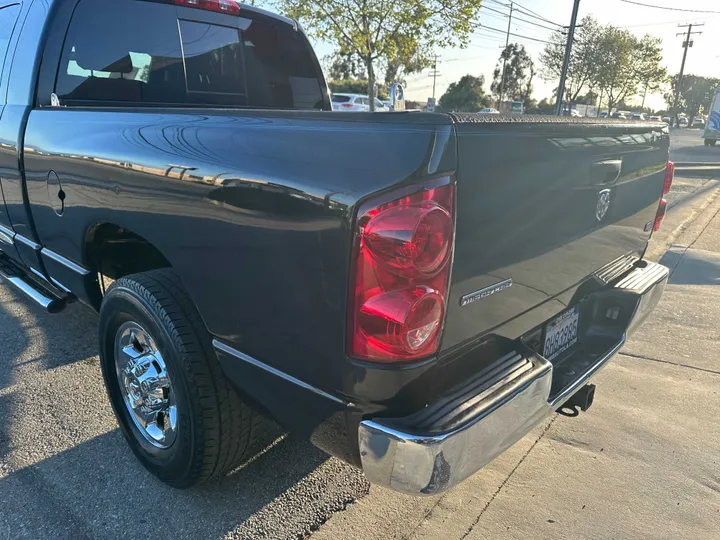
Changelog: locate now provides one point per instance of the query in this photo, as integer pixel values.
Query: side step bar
(42, 295)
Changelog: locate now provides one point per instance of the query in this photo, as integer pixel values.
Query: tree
(408, 61)
(342, 65)
(465, 95)
(519, 72)
(543, 107)
(626, 64)
(696, 92)
(377, 29)
(582, 70)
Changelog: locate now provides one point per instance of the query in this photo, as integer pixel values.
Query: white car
(488, 110)
(355, 103)
(637, 116)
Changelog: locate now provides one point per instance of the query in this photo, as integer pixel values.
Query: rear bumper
(448, 441)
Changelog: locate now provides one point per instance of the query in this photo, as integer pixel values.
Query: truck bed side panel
(252, 209)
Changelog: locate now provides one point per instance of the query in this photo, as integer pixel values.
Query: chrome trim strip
(250, 360)
(6, 239)
(65, 262)
(38, 274)
(20, 238)
(58, 284)
(7, 235)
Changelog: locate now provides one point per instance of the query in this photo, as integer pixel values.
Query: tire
(710, 142)
(205, 429)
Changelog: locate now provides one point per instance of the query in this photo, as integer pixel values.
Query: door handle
(606, 172)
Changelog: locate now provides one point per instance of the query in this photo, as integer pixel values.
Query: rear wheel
(710, 142)
(174, 406)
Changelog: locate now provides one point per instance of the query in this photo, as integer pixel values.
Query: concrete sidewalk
(642, 463)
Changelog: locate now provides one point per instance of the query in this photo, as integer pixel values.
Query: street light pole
(566, 61)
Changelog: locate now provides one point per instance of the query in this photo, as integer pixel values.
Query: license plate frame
(561, 333)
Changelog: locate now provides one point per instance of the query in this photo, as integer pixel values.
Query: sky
(481, 56)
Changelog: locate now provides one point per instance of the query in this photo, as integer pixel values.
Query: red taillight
(669, 176)
(662, 207)
(346, 105)
(231, 7)
(400, 276)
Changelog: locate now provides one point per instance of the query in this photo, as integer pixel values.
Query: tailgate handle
(606, 172)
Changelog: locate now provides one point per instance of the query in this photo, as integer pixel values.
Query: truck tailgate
(545, 203)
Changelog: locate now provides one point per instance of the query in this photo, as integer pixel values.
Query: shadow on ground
(692, 267)
(66, 471)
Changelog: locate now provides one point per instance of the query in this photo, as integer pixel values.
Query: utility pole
(686, 45)
(434, 75)
(566, 61)
(507, 42)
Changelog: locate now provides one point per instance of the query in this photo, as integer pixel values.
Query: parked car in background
(637, 116)
(355, 103)
(655, 118)
(668, 120)
(683, 121)
(488, 110)
(603, 115)
(698, 121)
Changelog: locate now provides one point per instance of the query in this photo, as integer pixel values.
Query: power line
(668, 8)
(505, 15)
(532, 13)
(512, 34)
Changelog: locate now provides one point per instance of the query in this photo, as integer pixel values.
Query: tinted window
(8, 16)
(122, 51)
(280, 68)
(213, 64)
(136, 51)
(340, 99)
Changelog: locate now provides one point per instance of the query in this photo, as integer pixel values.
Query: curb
(698, 170)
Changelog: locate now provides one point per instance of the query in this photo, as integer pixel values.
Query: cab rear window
(139, 52)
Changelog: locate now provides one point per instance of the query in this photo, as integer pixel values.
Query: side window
(139, 52)
(122, 51)
(213, 64)
(8, 17)
(280, 68)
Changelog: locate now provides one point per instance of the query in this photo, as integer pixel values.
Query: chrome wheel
(145, 385)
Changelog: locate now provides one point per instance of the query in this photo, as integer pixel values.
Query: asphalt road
(65, 471)
(687, 145)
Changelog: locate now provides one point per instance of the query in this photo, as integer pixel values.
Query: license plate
(561, 334)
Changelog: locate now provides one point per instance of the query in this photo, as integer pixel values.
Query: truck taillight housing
(400, 271)
(669, 176)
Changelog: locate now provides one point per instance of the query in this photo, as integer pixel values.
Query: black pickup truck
(413, 292)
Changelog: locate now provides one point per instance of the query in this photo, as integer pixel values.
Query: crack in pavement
(499, 489)
(640, 357)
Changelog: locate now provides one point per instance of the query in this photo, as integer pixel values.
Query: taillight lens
(662, 207)
(401, 269)
(347, 105)
(669, 176)
(231, 7)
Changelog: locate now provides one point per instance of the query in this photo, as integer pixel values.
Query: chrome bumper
(407, 456)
